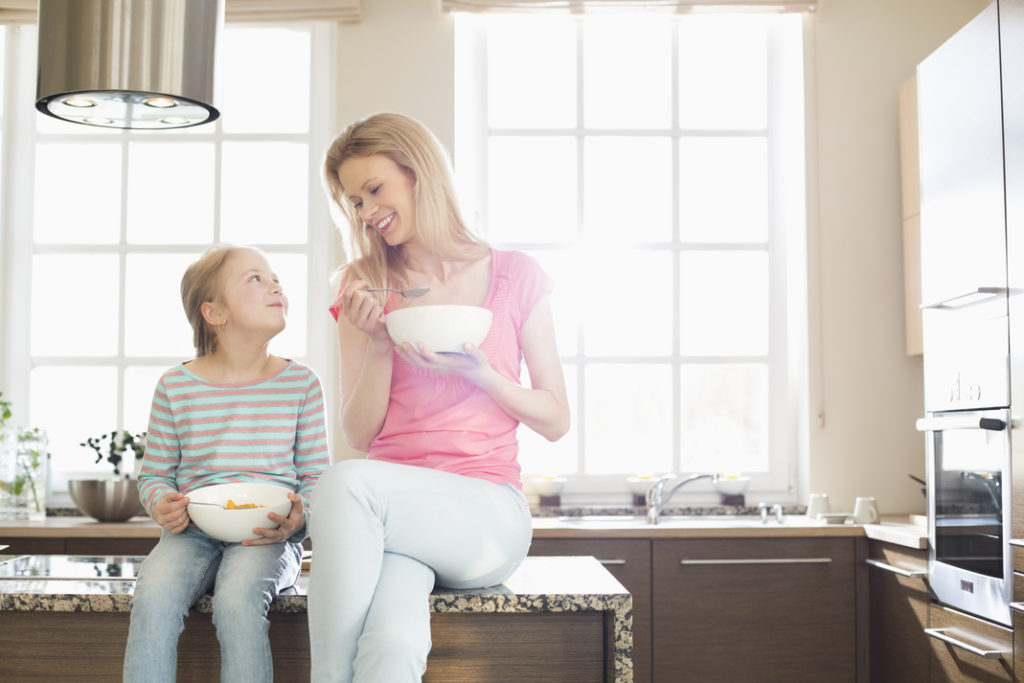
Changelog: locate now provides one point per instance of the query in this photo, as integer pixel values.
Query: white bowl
(548, 486)
(731, 484)
(640, 484)
(233, 526)
(443, 328)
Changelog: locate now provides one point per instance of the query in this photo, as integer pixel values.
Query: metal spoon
(216, 505)
(407, 293)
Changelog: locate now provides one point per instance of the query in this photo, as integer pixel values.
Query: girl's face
(251, 296)
(381, 192)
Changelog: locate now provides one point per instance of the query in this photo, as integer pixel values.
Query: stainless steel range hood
(145, 64)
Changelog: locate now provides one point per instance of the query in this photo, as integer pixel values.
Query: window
(653, 164)
(103, 223)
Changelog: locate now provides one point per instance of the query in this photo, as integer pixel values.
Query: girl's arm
(366, 361)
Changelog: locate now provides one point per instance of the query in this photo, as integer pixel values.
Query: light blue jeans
(382, 534)
(181, 569)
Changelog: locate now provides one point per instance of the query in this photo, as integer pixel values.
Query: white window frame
(19, 138)
(788, 334)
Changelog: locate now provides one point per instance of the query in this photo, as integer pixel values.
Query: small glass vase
(24, 465)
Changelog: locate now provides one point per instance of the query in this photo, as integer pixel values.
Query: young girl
(439, 497)
(234, 414)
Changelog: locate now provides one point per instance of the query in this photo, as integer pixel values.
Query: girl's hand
(473, 364)
(172, 512)
(286, 526)
(364, 312)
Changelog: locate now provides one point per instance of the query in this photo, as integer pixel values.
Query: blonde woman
(438, 498)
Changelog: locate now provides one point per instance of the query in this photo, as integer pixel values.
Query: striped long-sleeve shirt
(201, 433)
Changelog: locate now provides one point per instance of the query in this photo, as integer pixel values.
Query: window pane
(74, 305)
(532, 189)
(627, 72)
(155, 322)
(562, 267)
(628, 423)
(539, 456)
(77, 193)
(723, 190)
(292, 270)
(633, 206)
(139, 383)
(264, 192)
(170, 193)
(723, 72)
(72, 404)
(628, 313)
(262, 67)
(724, 303)
(724, 418)
(531, 61)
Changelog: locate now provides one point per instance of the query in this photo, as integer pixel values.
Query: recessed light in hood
(145, 64)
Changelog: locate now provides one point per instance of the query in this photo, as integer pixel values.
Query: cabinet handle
(1017, 606)
(612, 563)
(909, 573)
(940, 634)
(760, 560)
(975, 296)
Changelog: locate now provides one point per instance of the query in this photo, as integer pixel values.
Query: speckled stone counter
(548, 585)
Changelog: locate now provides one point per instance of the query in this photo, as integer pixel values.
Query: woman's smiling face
(381, 192)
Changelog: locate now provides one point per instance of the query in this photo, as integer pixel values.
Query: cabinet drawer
(899, 602)
(964, 648)
(755, 610)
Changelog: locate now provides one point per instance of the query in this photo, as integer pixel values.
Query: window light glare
(159, 102)
(78, 102)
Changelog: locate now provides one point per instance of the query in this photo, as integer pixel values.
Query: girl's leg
(178, 570)
(249, 579)
(396, 633)
(471, 532)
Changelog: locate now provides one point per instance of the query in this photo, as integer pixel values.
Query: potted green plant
(23, 469)
(112, 499)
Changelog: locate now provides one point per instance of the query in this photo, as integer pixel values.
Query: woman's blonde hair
(439, 222)
(201, 284)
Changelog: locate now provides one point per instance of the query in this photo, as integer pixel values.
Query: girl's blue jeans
(182, 568)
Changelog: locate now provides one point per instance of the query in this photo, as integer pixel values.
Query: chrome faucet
(657, 498)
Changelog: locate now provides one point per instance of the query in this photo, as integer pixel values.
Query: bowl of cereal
(443, 328)
(228, 512)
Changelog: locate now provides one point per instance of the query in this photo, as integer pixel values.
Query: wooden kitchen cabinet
(754, 610)
(898, 644)
(972, 649)
(629, 561)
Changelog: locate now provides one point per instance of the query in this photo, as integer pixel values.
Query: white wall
(400, 57)
(867, 389)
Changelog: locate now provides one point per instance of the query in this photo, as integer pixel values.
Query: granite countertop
(68, 583)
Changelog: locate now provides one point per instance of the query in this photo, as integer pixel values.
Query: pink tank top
(445, 422)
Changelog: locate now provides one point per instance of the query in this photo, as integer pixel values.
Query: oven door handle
(941, 424)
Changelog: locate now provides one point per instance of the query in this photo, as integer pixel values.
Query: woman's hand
(286, 526)
(473, 364)
(172, 512)
(364, 312)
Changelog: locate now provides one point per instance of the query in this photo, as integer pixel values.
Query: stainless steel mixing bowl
(107, 500)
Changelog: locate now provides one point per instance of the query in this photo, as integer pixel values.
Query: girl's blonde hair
(439, 222)
(201, 284)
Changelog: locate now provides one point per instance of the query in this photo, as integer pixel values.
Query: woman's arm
(366, 361)
(543, 407)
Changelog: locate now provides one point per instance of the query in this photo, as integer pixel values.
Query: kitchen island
(65, 618)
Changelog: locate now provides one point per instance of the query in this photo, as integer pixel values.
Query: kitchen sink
(673, 521)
